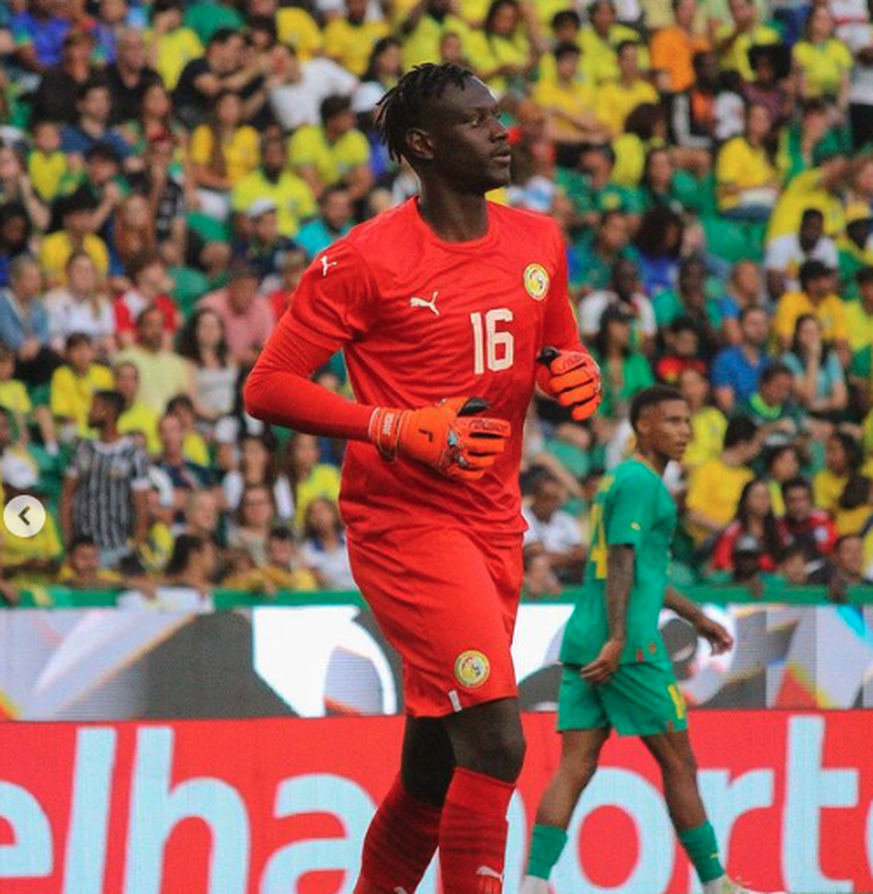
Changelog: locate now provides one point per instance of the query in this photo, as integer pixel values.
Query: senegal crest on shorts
(472, 669)
(536, 281)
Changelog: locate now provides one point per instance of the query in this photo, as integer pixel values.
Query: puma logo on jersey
(415, 301)
(325, 264)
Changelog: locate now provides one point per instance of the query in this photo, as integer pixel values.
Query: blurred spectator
(253, 521)
(39, 35)
(842, 460)
(819, 381)
(188, 580)
(681, 351)
(805, 527)
(75, 212)
(264, 247)
(782, 463)
(185, 477)
(817, 298)
(81, 306)
(203, 516)
(173, 45)
(349, 39)
(848, 567)
(673, 48)
(659, 242)
(74, 385)
(300, 87)
(258, 468)
(82, 571)
(106, 486)
(194, 445)
(624, 292)
(24, 325)
(821, 61)
(136, 416)
(333, 221)
(708, 424)
(754, 521)
(624, 371)
(92, 122)
(554, 530)
(333, 153)
(247, 316)
(55, 98)
(771, 407)
(273, 181)
(744, 290)
(737, 369)
(309, 476)
(714, 487)
(599, 251)
(223, 151)
(162, 373)
(747, 181)
(616, 99)
(283, 569)
(129, 76)
(786, 254)
(539, 578)
(202, 341)
(324, 548)
(736, 38)
(690, 299)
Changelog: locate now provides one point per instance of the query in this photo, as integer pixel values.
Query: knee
(500, 756)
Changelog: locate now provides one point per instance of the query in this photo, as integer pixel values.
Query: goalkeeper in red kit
(443, 306)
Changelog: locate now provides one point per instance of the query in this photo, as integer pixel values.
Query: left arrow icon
(23, 514)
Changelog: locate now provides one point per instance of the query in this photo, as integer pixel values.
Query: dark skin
(663, 433)
(459, 153)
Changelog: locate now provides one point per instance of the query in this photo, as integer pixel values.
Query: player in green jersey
(616, 671)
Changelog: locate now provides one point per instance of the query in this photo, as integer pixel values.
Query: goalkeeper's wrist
(384, 431)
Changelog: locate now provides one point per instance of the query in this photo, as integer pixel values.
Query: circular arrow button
(24, 516)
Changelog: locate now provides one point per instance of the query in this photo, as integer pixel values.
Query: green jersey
(632, 507)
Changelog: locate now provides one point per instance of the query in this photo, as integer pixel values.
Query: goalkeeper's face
(469, 145)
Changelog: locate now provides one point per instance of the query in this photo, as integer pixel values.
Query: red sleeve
(334, 302)
(722, 554)
(560, 329)
(328, 310)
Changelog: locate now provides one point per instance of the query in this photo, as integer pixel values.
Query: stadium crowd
(168, 170)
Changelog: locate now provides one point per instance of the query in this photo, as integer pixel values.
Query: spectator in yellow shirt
(617, 99)
(172, 45)
(46, 164)
(816, 297)
(334, 152)
(423, 28)
(568, 101)
(746, 181)
(733, 41)
(75, 383)
(715, 486)
(507, 46)
(273, 181)
(600, 40)
(137, 416)
(222, 152)
(821, 62)
(76, 234)
(349, 39)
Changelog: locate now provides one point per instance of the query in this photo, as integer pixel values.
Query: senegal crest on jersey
(536, 281)
(472, 669)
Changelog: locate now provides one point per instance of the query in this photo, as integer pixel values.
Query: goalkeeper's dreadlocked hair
(402, 106)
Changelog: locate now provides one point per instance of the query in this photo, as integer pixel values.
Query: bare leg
(488, 739)
(428, 760)
(580, 752)
(678, 766)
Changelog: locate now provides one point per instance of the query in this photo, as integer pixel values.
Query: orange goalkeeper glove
(446, 437)
(572, 378)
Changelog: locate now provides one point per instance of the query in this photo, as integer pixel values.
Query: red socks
(473, 834)
(403, 836)
(399, 845)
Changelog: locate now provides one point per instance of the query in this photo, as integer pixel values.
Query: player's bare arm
(619, 581)
(719, 639)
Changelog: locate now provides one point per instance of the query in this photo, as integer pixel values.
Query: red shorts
(447, 601)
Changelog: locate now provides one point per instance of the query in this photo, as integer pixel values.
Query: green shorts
(639, 700)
